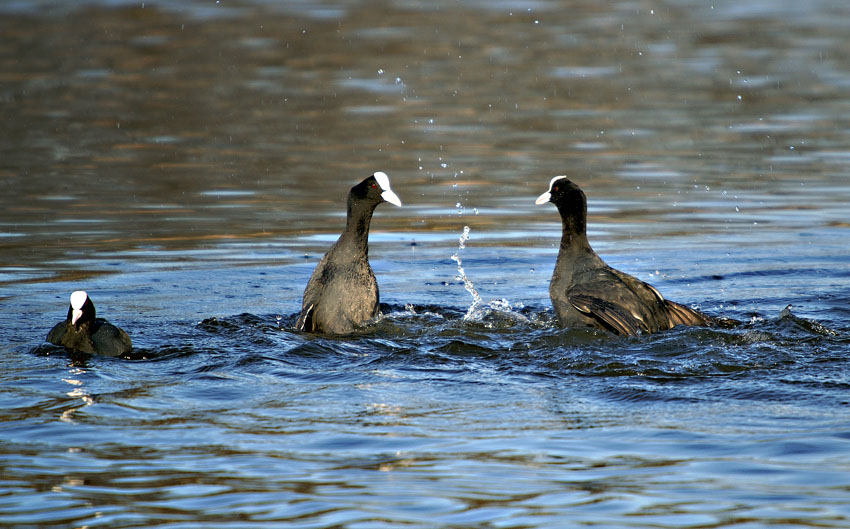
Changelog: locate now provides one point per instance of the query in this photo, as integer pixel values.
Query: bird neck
(575, 252)
(358, 219)
(574, 242)
(574, 224)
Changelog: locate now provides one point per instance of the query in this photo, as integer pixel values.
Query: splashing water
(461, 275)
(478, 311)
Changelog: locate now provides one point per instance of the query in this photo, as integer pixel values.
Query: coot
(83, 332)
(342, 293)
(586, 292)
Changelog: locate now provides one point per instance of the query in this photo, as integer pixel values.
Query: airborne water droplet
(467, 283)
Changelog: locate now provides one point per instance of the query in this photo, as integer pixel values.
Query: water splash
(478, 311)
(461, 275)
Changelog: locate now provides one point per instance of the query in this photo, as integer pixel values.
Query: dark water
(186, 164)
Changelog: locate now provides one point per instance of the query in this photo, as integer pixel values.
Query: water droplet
(461, 275)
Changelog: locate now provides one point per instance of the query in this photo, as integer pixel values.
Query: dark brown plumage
(586, 292)
(342, 292)
(83, 332)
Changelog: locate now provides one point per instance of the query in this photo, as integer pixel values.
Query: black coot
(586, 292)
(342, 292)
(83, 332)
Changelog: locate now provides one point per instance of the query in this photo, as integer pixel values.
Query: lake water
(187, 163)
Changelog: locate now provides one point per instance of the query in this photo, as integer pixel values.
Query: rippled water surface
(186, 163)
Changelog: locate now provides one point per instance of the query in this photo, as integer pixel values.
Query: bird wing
(682, 315)
(609, 315)
(312, 295)
(676, 313)
(655, 311)
(56, 333)
(109, 340)
(305, 319)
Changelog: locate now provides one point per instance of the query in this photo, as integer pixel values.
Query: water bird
(83, 332)
(586, 292)
(342, 293)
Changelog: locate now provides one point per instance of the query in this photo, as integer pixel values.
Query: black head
(570, 201)
(376, 189)
(81, 309)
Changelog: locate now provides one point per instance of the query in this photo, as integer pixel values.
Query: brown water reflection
(178, 128)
